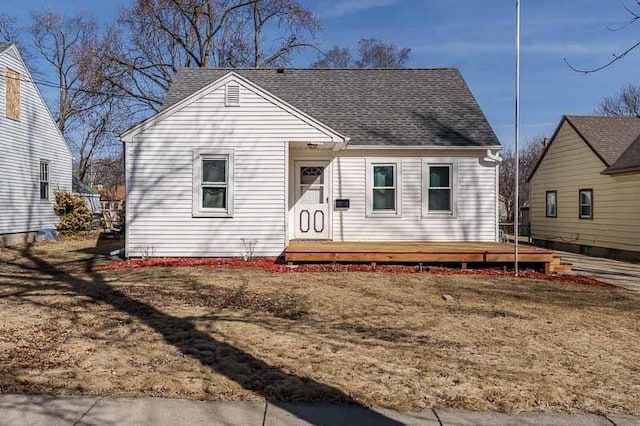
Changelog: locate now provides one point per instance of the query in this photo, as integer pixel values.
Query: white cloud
(347, 7)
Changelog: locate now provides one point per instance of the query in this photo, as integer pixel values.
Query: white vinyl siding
(476, 188)
(22, 145)
(159, 168)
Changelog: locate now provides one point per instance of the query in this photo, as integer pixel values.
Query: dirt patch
(383, 339)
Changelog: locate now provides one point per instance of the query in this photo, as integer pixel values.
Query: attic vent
(233, 95)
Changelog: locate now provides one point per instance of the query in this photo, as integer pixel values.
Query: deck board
(414, 252)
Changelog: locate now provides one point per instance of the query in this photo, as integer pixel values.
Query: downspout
(495, 158)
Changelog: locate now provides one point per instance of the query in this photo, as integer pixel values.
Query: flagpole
(517, 139)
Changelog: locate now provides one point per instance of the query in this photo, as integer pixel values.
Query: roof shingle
(610, 137)
(419, 107)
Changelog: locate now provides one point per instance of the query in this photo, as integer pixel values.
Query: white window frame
(207, 154)
(46, 179)
(547, 204)
(453, 186)
(397, 181)
(580, 205)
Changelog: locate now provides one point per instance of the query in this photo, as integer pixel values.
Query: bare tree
(295, 22)
(625, 102)
(372, 53)
(12, 32)
(153, 38)
(529, 157)
(61, 42)
(9, 29)
(337, 57)
(634, 17)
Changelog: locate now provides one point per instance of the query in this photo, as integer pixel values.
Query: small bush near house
(74, 214)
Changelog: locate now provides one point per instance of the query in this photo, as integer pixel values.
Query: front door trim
(311, 215)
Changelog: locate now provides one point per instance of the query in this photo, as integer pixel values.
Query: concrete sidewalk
(618, 273)
(53, 411)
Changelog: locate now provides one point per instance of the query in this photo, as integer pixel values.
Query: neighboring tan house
(585, 190)
(35, 160)
(274, 155)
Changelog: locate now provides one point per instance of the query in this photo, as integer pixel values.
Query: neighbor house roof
(78, 187)
(608, 136)
(407, 107)
(614, 140)
(4, 45)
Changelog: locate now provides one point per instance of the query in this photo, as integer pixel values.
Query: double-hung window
(44, 180)
(551, 204)
(383, 188)
(440, 195)
(585, 199)
(213, 183)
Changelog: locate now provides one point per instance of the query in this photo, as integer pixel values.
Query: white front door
(311, 207)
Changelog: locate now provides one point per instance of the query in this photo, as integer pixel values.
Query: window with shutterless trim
(383, 187)
(439, 189)
(551, 204)
(585, 203)
(213, 183)
(44, 180)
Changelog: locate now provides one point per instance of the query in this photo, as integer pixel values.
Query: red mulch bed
(270, 264)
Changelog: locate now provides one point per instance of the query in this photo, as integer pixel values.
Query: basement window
(213, 183)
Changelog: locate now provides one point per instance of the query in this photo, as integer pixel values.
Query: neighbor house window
(383, 188)
(213, 183)
(552, 204)
(12, 94)
(585, 197)
(439, 193)
(44, 180)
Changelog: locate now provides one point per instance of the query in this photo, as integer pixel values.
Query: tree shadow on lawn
(578, 296)
(275, 385)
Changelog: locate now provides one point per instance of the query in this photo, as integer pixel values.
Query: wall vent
(233, 95)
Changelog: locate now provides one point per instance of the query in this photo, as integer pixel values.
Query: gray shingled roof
(77, 187)
(424, 107)
(609, 137)
(4, 45)
(615, 140)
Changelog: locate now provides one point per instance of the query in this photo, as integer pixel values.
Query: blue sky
(478, 38)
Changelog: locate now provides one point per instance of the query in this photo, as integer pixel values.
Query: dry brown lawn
(377, 339)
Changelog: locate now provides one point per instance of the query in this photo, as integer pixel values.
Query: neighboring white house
(275, 155)
(35, 160)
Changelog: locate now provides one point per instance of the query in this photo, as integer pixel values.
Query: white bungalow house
(35, 160)
(271, 156)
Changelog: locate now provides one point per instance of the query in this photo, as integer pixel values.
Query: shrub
(73, 212)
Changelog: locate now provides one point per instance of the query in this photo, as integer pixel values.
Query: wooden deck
(418, 252)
